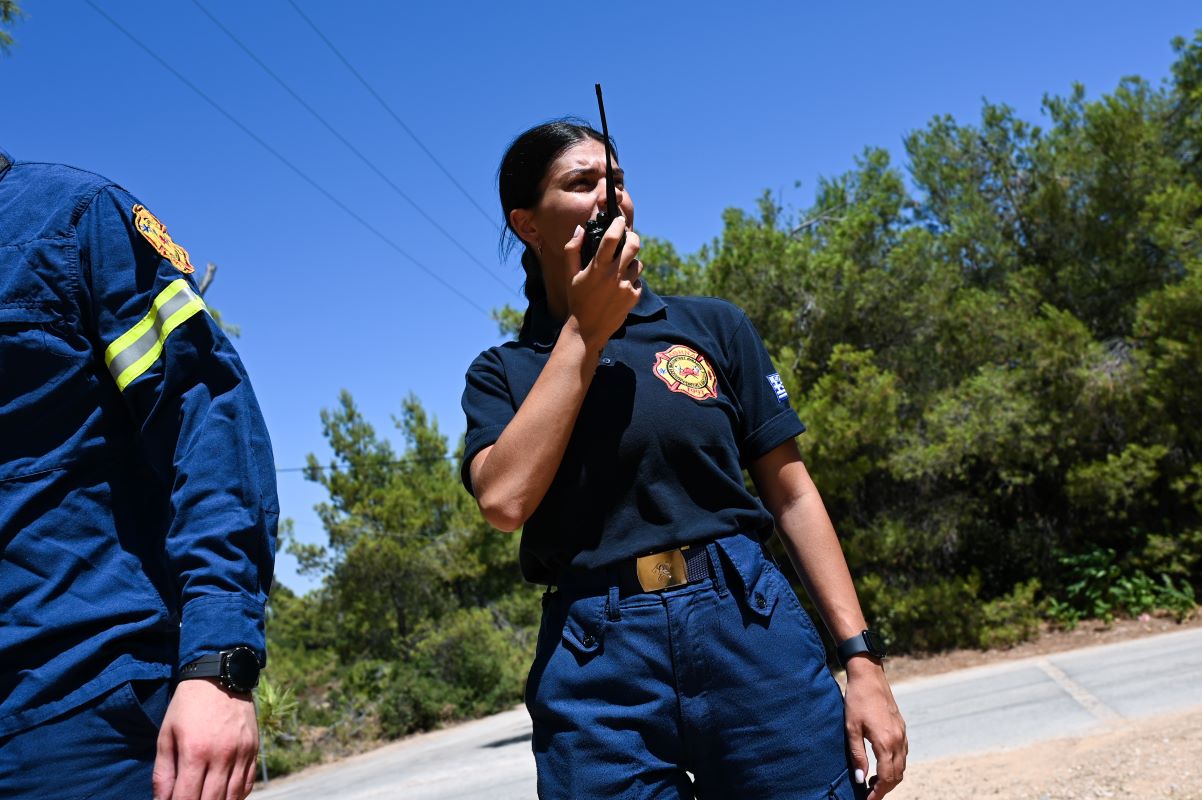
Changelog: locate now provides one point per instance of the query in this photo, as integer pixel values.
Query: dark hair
(519, 181)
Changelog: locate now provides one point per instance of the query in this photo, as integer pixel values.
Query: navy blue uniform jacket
(138, 506)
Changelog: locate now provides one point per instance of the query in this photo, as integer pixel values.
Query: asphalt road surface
(970, 711)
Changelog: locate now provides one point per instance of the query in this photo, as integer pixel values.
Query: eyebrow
(572, 173)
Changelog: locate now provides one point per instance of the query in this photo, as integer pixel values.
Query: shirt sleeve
(199, 427)
(489, 407)
(766, 418)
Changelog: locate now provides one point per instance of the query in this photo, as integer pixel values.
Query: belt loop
(716, 566)
(611, 605)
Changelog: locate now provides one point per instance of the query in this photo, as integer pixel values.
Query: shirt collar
(544, 329)
(6, 161)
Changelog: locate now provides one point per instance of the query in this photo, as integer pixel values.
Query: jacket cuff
(213, 623)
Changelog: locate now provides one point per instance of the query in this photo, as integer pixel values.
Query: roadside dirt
(1158, 758)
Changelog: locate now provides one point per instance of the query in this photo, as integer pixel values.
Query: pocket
(793, 606)
(136, 708)
(584, 625)
(46, 388)
(569, 635)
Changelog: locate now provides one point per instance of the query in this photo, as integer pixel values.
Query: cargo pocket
(584, 627)
(793, 607)
(744, 559)
(136, 709)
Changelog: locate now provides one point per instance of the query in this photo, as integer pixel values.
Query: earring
(538, 247)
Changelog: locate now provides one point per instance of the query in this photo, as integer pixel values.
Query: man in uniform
(138, 507)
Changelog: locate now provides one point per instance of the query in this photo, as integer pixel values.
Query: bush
(464, 666)
(1100, 588)
(925, 618)
(1011, 619)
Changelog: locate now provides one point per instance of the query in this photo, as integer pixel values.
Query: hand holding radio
(607, 288)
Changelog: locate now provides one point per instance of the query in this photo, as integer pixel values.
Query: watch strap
(204, 667)
(866, 641)
(237, 669)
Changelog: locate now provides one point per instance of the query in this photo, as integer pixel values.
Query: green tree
(10, 12)
(998, 358)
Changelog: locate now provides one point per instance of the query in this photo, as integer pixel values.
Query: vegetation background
(996, 347)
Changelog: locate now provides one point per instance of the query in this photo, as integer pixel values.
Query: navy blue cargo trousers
(724, 678)
(102, 750)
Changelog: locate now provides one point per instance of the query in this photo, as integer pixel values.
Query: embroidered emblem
(778, 386)
(156, 233)
(685, 370)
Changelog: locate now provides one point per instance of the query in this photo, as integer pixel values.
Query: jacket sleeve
(766, 418)
(198, 424)
(488, 406)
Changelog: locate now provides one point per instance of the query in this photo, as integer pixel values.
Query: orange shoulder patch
(155, 232)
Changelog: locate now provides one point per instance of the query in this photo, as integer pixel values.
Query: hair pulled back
(519, 181)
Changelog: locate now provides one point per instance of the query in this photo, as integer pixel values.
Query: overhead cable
(358, 153)
(393, 114)
(300, 173)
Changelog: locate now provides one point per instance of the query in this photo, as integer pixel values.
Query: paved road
(974, 710)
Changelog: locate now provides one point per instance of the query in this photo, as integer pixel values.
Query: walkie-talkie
(595, 229)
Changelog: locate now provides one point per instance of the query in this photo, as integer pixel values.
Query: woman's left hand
(872, 714)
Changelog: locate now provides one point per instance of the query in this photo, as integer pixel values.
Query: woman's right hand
(604, 292)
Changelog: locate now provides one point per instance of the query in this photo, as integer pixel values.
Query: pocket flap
(585, 624)
(745, 556)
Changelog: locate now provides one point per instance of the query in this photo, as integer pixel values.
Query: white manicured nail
(859, 776)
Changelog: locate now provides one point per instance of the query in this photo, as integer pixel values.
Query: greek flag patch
(778, 386)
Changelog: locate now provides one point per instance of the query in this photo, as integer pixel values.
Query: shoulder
(712, 314)
(50, 198)
(498, 357)
(61, 183)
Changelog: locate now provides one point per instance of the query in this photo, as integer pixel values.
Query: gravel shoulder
(1157, 758)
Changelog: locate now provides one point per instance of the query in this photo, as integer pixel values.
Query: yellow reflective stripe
(134, 351)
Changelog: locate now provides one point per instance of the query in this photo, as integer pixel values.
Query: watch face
(241, 670)
(876, 645)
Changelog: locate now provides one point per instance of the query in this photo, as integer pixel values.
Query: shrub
(1011, 619)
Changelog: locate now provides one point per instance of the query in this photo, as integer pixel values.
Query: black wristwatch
(236, 670)
(867, 641)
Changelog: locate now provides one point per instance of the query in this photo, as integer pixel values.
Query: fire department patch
(156, 233)
(685, 370)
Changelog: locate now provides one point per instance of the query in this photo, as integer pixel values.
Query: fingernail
(579, 230)
(859, 776)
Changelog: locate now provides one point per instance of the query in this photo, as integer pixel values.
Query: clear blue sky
(710, 105)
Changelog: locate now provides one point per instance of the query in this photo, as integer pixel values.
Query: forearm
(515, 473)
(810, 540)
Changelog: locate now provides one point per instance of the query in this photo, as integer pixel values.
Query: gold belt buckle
(660, 571)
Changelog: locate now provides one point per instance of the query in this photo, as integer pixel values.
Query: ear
(522, 220)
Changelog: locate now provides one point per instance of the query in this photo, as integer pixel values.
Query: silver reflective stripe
(153, 335)
(138, 348)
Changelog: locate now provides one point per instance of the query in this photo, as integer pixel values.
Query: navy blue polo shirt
(684, 397)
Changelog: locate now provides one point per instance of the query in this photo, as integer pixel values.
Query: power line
(350, 212)
(358, 153)
(393, 114)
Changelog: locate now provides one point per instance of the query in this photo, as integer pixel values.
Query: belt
(666, 569)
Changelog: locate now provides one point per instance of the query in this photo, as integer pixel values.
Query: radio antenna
(611, 196)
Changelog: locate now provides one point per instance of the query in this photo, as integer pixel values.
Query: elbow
(504, 514)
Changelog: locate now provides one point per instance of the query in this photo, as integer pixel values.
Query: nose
(601, 201)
